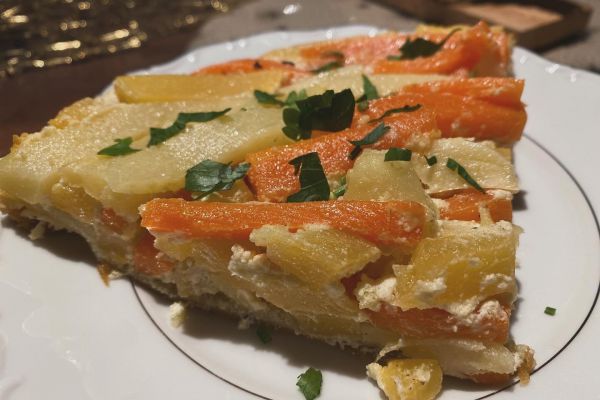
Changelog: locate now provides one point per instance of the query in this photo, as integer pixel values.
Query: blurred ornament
(44, 33)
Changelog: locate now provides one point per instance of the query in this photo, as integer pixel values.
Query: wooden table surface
(28, 100)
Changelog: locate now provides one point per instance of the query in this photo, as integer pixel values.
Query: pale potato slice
(350, 77)
(463, 358)
(162, 168)
(459, 268)
(489, 167)
(316, 255)
(410, 379)
(166, 88)
(282, 289)
(372, 178)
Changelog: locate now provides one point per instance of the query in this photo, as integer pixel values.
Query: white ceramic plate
(64, 335)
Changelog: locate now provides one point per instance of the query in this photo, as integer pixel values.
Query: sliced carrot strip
(468, 50)
(437, 323)
(250, 65)
(388, 223)
(465, 207)
(461, 116)
(272, 178)
(146, 258)
(500, 91)
(112, 220)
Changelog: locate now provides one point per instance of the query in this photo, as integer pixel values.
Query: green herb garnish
(370, 138)
(398, 154)
(267, 98)
(406, 108)
(369, 93)
(212, 176)
(263, 334)
(341, 190)
(120, 148)
(159, 135)
(550, 311)
(328, 67)
(313, 182)
(462, 172)
(431, 160)
(310, 383)
(420, 47)
(330, 112)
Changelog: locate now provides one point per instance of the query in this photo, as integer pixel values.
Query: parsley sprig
(310, 383)
(419, 47)
(462, 172)
(406, 108)
(398, 154)
(290, 101)
(370, 138)
(212, 176)
(159, 135)
(313, 182)
(330, 112)
(120, 148)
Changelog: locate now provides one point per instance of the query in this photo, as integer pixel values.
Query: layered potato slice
(225, 139)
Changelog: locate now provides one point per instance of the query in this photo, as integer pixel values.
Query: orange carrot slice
(272, 178)
(437, 323)
(474, 49)
(461, 116)
(146, 258)
(250, 65)
(465, 207)
(500, 91)
(387, 223)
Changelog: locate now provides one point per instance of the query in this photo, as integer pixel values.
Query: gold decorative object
(44, 33)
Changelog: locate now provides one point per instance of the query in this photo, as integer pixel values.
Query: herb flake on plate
(310, 383)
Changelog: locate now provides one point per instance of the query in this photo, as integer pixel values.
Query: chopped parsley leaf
(398, 154)
(120, 148)
(330, 112)
(420, 47)
(263, 334)
(462, 172)
(369, 93)
(328, 67)
(431, 160)
(159, 135)
(212, 176)
(389, 112)
(550, 311)
(313, 182)
(341, 190)
(370, 138)
(267, 98)
(310, 383)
